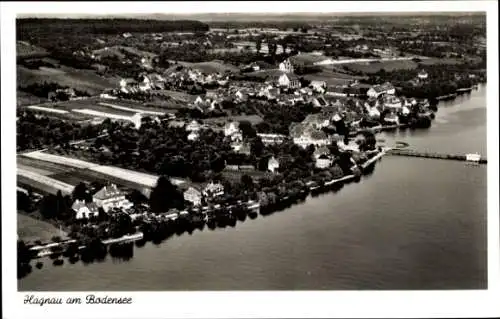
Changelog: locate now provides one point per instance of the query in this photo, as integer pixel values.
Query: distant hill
(27, 27)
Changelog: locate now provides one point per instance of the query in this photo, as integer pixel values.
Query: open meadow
(31, 229)
(82, 80)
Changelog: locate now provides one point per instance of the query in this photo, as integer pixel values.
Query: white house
(213, 190)
(378, 90)
(318, 86)
(323, 161)
(193, 126)
(289, 80)
(137, 120)
(273, 165)
(111, 197)
(231, 128)
(286, 66)
(392, 102)
(193, 195)
(423, 75)
(193, 136)
(304, 136)
(85, 210)
(320, 151)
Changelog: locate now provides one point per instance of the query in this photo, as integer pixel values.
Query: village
(173, 146)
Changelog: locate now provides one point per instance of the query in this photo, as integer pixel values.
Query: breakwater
(456, 157)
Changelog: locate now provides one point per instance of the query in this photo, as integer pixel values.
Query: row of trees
(35, 131)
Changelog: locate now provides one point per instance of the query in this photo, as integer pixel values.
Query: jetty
(476, 158)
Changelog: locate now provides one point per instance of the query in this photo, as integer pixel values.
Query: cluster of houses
(108, 198)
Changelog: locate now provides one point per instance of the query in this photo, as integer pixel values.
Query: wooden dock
(413, 153)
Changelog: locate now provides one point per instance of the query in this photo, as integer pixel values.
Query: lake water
(412, 224)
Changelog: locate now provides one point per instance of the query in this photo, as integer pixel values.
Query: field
(210, 66)
(83, 80)
(116, 51)
(374, 67)
(254, 119)
(332, 77)
(31, 229)
(42, 182)
(24, 98)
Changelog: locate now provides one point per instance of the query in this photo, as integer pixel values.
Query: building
(193, 196)
(213, 190)
(320, 151)
(323, 161)
(85, 210)
(273, 165)
(286, 66)
(473, 157)
(289, 80)
(392, 102)
(231, 128)
(318, 86)
(193, 136)
(128, 85)
(317, 120)
(111, 197)
(305, 135)
(378, 90)
(194, 126)
(422, 75)
(318, 101)
(336, 91)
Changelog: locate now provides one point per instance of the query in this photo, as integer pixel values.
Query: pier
(456, 157)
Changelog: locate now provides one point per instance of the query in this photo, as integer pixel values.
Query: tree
(258, 45)
(81, 192)
(165, 196)
(247, 130)
(247, 181)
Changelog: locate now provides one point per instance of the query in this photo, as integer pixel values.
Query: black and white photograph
(242, 151)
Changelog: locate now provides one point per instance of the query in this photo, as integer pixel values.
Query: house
(305, 135)
(111, 197)
(286, 66)
(336, 91)
(273, 165)
(127, 35)
(289, 80)
(128, 84)
(231, 128)
(323, 161)
(422, 75)
(241, 148)
(241, 96)
(193, 136)
(317, 120)
(318, 101)
(320, 151)
(392, 102)
(193, 126)
(213, 190)
(136, 119)
(318, 86)
(378, 90)
(193, 195)
(85, 210)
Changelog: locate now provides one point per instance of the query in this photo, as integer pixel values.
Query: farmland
(83, 80)
(210, 66)
(254, 119)
(376, 66)
(42, 182)
(331, 77)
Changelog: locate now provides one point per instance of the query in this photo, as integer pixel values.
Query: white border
(252, 304)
